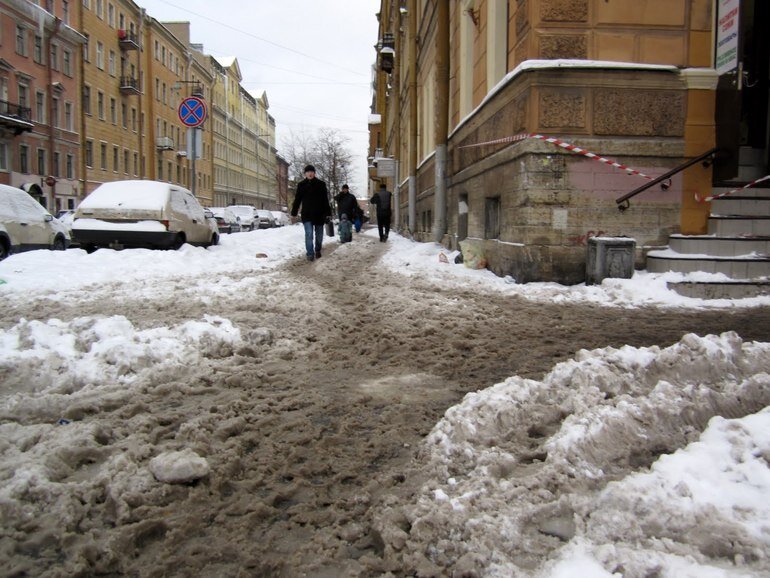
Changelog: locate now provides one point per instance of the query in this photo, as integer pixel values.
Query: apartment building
(467, 93)
(243, 140)
(39, 108)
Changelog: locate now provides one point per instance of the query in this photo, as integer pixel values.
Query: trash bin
(609, 257)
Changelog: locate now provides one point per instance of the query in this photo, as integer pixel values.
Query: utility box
(609, 257)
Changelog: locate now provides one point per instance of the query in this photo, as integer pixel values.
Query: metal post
(194, 154)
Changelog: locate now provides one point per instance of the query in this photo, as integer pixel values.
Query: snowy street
(238, 411)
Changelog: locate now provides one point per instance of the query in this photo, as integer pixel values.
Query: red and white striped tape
(720, 195)
(565, 145)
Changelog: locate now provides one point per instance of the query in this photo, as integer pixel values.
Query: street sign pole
(192, 113)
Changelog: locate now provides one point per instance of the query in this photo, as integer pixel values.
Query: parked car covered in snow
(26, 225)
(265, 219)
(246, 216)
(227, 222)
(140, 213)
(281, 218)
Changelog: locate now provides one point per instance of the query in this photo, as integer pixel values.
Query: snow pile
(563, 476)
(55, 368)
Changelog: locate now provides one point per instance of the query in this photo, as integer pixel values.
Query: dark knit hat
(309, 168)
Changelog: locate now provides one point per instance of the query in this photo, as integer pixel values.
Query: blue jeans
(310, 247)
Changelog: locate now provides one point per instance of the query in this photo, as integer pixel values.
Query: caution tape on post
(565, 145)
(739, 189)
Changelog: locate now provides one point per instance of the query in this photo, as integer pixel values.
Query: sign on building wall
(728, 12)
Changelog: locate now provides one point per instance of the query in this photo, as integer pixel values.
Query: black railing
(624, 203)
(15, 110)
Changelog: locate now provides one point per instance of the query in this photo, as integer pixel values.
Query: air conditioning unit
(164, 143)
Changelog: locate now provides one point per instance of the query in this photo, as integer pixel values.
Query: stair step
(738, 225)
(740, 205)
(719, 246)
(720, 289)
(756, 267)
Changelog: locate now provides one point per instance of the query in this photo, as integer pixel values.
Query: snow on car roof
(128, 195)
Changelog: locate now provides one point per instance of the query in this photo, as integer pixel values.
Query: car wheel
(179, 240)
(214, 240)
(58, 244)
(4, 249)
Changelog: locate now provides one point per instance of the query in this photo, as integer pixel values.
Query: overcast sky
(312, 57)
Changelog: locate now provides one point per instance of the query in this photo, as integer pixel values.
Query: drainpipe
(51, 141)
(442, 120)
(412, 41)
(144, 47)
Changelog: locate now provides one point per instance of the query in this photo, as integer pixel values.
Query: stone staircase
(737, 245)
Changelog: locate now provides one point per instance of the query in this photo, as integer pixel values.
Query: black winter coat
(347, 204)
(313, 196)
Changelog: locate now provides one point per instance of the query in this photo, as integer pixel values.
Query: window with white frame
(100, 105)
(3, 157)
(21, 40)
(54, 56)
(113, 111)
(86, 49)
(70, 168)
(115, 157)
(41, 170)
(40, 107)
(67, 62)
(65, 11)
(111, 63)
(89, 153)
(23, 94)
(111, 15)
(24, 159)
(55, 112)
(99, 55)
(55, 164)
(37, 53)
(103, 160)
(68, 119)
(100, 9)
(87, 100)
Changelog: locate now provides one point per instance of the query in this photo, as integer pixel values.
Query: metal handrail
(623, 202)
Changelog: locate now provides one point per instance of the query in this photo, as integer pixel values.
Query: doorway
(743, 92)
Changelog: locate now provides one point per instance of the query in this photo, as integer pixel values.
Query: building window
(37, 53)
(121, 21)
(103, 160)
(55, 112)
(41, 162)
(68, 121)
(115, 153)
(40, 107)
(136, 163)
(24, 159)
(492, 218)
(113, 111)
(87, 100)
(89, 153)
(23, 92)
(164, 94)
(21, 41)
(67, 62)
(163, 55)
(157, 50)
(124, 114)
(55, 167)
(3, 157)
(157, 89)
(133, 119)
(125, 161)
(70, 167)
(160, 169)
(54, 57)
(111, 15)
(65, 10)
(87, 4)
(100, 9)
(86, 49)
(111, 63)
(100, 104)
(99, 55)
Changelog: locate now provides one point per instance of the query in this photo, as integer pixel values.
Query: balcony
(164, 143)
(128, 40)
(129, 85)
(16, 118)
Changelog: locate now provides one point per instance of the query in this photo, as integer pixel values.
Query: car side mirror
(208, 213)
(48, 218)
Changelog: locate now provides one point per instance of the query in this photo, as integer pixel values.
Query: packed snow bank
(636, 461)
(56, 369)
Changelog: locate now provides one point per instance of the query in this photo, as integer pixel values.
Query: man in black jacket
(382, 199)
(313, 196)
(347, 204)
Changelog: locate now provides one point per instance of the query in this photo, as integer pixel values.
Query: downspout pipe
(412, 41)
(51, 137)
(442, 120)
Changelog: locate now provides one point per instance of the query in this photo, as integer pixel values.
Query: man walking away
(347, 204)
(313, 196)
(382, 199)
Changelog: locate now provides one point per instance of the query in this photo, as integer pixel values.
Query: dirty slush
(309, 427)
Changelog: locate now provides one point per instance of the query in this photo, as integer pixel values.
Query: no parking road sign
(192, 111)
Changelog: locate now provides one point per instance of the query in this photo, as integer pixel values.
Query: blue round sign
(192, 111)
